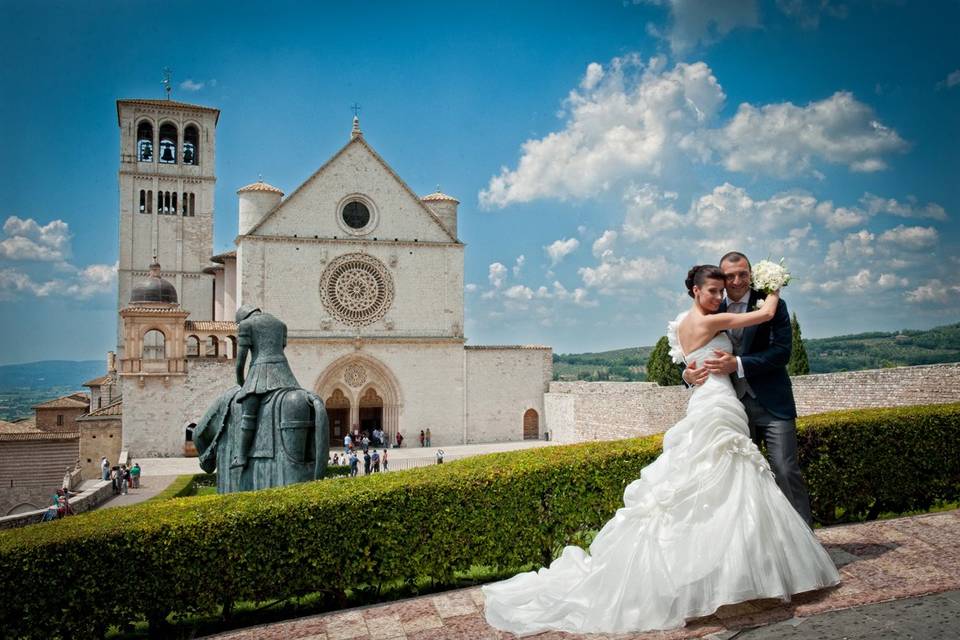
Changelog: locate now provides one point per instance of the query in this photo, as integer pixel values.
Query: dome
(260, 185)
(153, 289)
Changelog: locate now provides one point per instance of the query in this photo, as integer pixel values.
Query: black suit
(764, 351)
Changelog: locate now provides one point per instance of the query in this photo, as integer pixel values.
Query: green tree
(798, 365)
(660, 367)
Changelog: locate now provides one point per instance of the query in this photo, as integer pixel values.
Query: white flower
(770, 276)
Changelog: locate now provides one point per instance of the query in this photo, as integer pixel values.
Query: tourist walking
(347, 444)
(124, 479)
(104, 468)
(399, 439)
(366, 463)
(428, 436)
(375, 458)
(439, 456)
(354, 464)
(423, 438)
(366, 443)
(135, 475)
(383, 460)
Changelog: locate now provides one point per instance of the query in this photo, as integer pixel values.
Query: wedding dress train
(705, 525)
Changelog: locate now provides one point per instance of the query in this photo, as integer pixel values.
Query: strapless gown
(705, 525)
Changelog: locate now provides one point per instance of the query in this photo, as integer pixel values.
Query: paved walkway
(402, 458)
(891, 562)
(149, 487)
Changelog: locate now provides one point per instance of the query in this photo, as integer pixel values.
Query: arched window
(145, 142)
(193, 347)
(143, 201)
(173, 207)
(212, 350)
(184, 205)
(150, 201)
(191, 145)
(159, 202)
(154, 345)
(168, 143)
(166, 202)
(192, 202)
(232, 346)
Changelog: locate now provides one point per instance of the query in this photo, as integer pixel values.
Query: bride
(705, 524)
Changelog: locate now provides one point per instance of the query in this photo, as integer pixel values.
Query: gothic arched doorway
(531, 425)
(371, 411)
(338, 414)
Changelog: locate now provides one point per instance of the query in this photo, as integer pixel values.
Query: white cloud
(559, 249)
(592, 77)
(519, 292)
(911, 237)
(952, 80)
(26, 239)
(518, 265)
(625, 124)
(909, 209)
(615, 273)
(603, 246)
(783, 139)
(497, 274)
(83, 284)
(470, 287)
(649, 212)
(694, 22)
(934, 291)
(190, 85)
(889, 281)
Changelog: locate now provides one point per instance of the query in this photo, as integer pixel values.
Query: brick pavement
(878, 561)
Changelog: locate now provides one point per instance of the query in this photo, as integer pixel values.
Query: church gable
(354, 195)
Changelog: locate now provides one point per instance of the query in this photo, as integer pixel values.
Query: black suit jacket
(765, 351)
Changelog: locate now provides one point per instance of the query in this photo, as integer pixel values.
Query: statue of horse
(292, 442)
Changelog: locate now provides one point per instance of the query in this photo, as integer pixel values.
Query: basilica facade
(367, 275)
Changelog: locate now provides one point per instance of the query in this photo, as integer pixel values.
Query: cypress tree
(660, 367)
(798, 365)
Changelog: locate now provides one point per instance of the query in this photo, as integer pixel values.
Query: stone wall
(32, 467)
(157, 412)
(580, 411)
(502, 384)
(98, 438)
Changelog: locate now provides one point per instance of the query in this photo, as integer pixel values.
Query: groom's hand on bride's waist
(723, 363)
(694, 376)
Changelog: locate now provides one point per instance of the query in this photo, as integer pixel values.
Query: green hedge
(505, 509)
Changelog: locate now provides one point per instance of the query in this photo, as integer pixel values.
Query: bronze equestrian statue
(267, 431)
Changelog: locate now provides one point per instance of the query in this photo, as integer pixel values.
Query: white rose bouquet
(770, 276)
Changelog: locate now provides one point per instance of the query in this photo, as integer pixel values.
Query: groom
(758, 367)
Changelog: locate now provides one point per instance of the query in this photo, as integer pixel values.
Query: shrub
(504, 510)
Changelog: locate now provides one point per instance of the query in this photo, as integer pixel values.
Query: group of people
(59, 507)
(121, 476)
(373, 461)
(425, 437)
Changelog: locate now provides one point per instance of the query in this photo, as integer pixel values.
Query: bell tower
(166, 181)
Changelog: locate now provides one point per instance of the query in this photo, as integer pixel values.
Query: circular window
(356, 289)
(356, 215)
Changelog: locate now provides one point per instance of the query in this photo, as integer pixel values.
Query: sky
(599, 149)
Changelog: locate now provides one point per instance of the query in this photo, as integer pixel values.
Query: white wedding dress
(704, 526)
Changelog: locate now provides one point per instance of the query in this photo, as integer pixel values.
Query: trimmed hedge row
(506, 509)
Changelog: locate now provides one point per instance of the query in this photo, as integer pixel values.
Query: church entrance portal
(371, 411)
(338, 415)
(531, 425)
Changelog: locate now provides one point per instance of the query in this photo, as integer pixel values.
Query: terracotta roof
(212, 269)
(20, 426)
(210, 325)
(96, 382)
(438, 196)
(72, 401)
(112, 409)
(166, 103)
(159, 308)
(221, 257)
(260, 185)
(40, 435)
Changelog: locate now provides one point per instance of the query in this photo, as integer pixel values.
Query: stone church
(367, 275)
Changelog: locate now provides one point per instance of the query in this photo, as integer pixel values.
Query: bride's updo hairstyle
(700, 274)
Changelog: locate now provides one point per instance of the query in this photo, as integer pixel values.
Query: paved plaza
(900, 580)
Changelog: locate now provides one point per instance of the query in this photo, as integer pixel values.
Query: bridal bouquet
(770, 276)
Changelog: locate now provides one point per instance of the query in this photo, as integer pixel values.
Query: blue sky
(598, 149)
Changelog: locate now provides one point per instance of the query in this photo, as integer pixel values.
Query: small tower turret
(256, 201)
(445, 207)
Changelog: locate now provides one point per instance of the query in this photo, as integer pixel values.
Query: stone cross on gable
(356, 109)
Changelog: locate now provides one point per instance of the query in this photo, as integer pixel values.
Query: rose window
(355, 375)
(356, 289)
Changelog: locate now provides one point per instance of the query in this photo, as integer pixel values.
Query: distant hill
(855, 352)
(24, 385)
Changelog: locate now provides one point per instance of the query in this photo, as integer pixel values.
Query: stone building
(367, 275)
